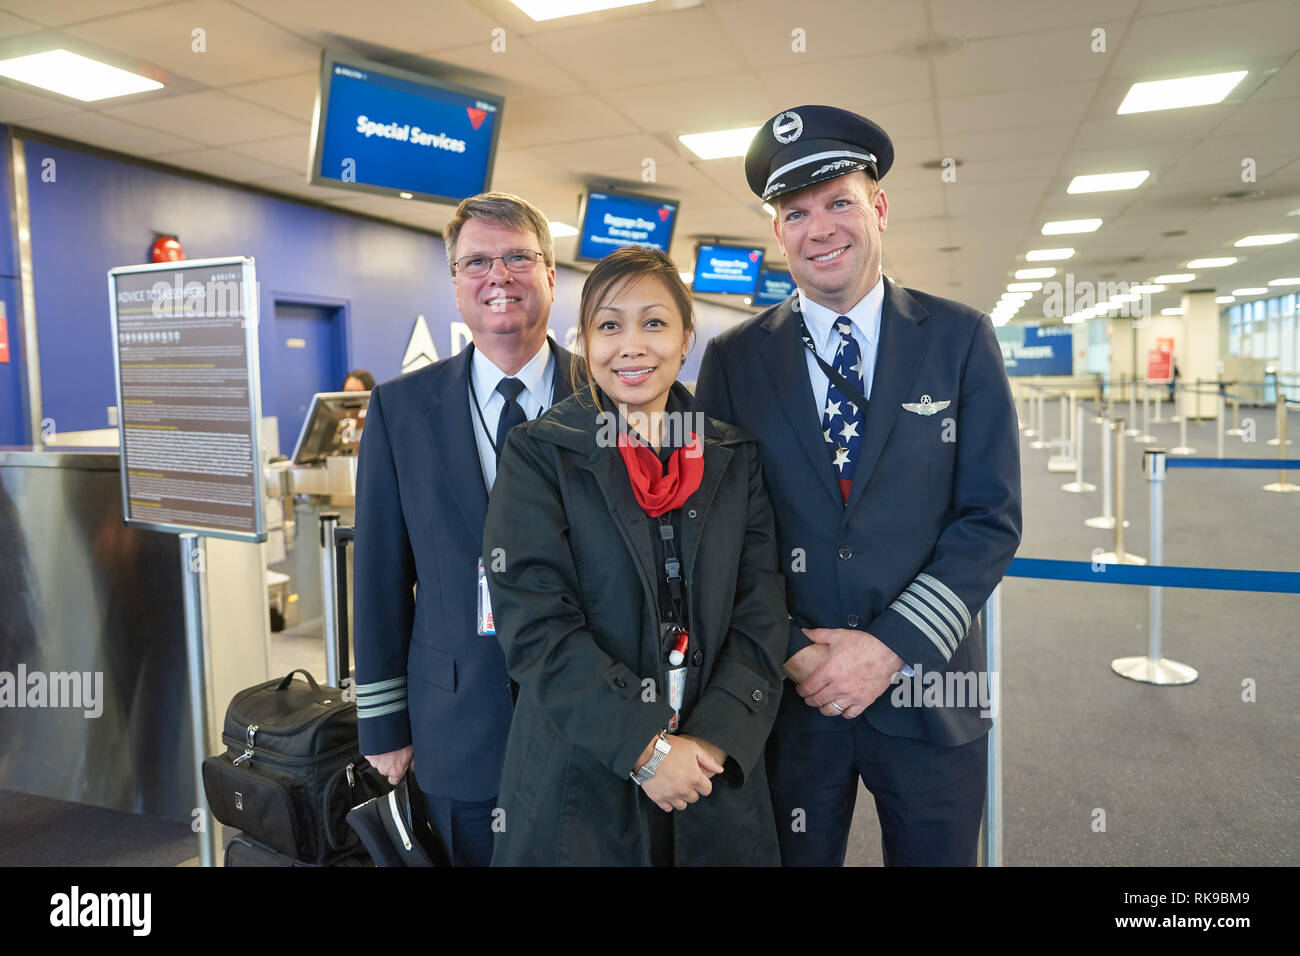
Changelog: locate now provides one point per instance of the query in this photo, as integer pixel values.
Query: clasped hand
(683, 775)
(851, 668)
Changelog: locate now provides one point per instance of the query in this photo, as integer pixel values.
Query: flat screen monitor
(611, 220)
(774, 285)
(332, 428)
(727, 269)
(378, 129)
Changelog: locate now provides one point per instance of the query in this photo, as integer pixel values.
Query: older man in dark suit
(432, 689)
(890, 452)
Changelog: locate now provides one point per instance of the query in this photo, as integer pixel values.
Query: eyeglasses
(516, 260)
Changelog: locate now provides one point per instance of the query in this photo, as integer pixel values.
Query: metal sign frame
(249, 306)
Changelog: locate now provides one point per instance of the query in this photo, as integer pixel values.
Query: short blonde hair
(505, 209)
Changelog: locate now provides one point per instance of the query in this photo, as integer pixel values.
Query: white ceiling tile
(1214, 38)
(407, 25)
(292, 95)
(519, 70)
(880, 78)
(238, 45)
(11, 25)
(55, 13)
(560, 119)
(219, 162)
(763, 29)
(211, 117)
(115, 134)
(675, 106)
(627, 154)
(1044, 140)
(1016, 62)
(1016, 108)
(525, 164)
(287, 152)
(685, 43)
(1001, 17)
(18, 104)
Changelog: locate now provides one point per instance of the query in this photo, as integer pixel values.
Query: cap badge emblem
(787, 127)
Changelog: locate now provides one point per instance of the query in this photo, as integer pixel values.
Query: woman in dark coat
(632, 565)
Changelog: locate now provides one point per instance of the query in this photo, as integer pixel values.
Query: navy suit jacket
(933, 517)
(424, 674)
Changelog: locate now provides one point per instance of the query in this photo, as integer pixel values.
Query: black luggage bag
(292, 769)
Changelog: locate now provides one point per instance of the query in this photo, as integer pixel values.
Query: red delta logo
(476, 117)
(753, 256)
(664, 213)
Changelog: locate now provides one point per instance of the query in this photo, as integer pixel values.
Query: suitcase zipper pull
(248, 753)
(352, 780)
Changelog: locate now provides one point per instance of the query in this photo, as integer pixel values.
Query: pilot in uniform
(889, 446)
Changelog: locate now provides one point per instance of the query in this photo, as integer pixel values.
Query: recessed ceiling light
(1288, 281)
(1126, 297)
(407, 195)
(554, 9)
(687, 277)
(1175, 277)
(1105, 182)
(1215, 263)
(1176, 94)
(1269, 239)
(1225, 299)
(1065, 227)
(560, 230)
(70, 74)
(768, 208)
(1046, 272)
(999, 320)
(1024, 286)
(1048, 255)
(1146, 289)
(1249, 291)
(719, 144)
(1173, 310)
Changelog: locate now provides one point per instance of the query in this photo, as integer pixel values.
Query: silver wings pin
(926, 406)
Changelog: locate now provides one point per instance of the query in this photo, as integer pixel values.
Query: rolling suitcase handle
(343, 536)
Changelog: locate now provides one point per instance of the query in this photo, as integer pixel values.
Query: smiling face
(635, 344)
(503, 303)
(830, 234)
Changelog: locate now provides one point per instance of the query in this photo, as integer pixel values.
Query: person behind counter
(632, 572)
(358, 380)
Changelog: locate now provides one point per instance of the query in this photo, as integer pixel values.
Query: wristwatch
(648, 770)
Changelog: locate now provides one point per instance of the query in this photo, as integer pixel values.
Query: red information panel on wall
(1160, 365)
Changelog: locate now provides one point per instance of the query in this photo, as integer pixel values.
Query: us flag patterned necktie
(841, 418)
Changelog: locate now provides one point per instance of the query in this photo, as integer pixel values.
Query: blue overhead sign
(1037, 350)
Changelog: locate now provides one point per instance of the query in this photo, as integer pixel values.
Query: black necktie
(512, 414)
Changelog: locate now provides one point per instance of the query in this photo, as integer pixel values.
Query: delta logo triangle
(476, 117)
(419, 351)
(664, 213)
(753, 257)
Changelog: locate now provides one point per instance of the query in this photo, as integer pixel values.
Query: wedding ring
(838, 708)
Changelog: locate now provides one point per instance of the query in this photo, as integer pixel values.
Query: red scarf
(656, 492)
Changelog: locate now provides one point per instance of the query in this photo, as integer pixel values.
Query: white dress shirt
(865, 317)
(537, 377)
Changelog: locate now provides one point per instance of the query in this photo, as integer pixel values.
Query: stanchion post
(1279, 418)
(1183, 448)
(1132, 408)
(329, 588)
(1078, 486)
(1281, 485)
(991, 832)
(1145, 437)
(192, 575)
(1235, 430)
(1198, 402)
(1119, 555)
(1105, 520)
(1155, 668)
(1223, 420)
(1040, 426)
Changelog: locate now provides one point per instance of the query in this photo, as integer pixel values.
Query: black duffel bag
(292, 769)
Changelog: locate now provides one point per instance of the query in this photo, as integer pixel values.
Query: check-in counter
(81, 593)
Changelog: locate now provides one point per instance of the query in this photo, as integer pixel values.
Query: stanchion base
(1029, 432)
(1110, 557)
(1164, 671)
(1105, 522)
(1130, 432)
(1182, 450)
(1283, 486)
(1098, 419)
(1040, 444)
(1273, 442)
(1175, 419)
(1144, 439)
(1078, 487)
(1062, 465)
(1159, 421)
(1234, 432)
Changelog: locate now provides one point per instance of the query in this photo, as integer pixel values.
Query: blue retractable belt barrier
(1162, 576)
(1268, 464)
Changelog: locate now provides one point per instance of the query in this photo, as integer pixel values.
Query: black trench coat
(574, 597)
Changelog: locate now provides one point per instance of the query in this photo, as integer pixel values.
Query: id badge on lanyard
(486, 625)
(676, 637)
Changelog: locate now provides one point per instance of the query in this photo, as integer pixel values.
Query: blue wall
(100, 212)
